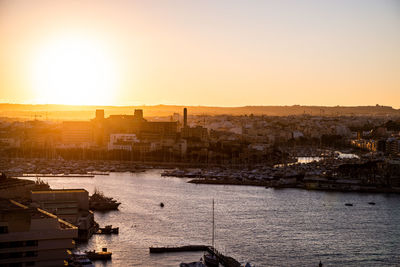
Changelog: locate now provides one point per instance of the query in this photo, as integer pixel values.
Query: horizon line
(182, 105)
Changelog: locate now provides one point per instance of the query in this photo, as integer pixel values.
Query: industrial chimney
(185, 117)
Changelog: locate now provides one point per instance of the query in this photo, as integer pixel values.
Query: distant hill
(66, 112)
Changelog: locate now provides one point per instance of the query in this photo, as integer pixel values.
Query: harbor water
(267, 227)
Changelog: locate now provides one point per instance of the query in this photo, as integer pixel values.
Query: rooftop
(52, 191)
(36, 213)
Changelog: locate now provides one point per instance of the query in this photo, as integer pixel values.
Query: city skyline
(213, 54)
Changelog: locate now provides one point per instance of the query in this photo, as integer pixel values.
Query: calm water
(267, 227)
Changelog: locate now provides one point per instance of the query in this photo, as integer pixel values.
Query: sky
(213, 53)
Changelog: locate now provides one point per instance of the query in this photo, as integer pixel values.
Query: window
(31, 243)
(16, 255)
(31, 254)
(4, 256)
(3, 229)
(16, 244)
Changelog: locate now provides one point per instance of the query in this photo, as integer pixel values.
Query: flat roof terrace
(36, 213)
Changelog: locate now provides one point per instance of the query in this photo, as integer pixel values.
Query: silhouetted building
(143, 129)
(199, 133)
(122, 142)
(185, 117)
(99, 114)
(71, 205)
(33, 237)
(77, 133)
(138, 115)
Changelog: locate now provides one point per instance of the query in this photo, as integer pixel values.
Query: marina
(252, 224)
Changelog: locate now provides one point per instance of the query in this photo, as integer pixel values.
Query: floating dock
(224, 260)
(178, 249)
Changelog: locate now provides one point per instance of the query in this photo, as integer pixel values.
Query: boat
(107, 230)
(80, 259)
(192, 264)
(348, 204)
(371, 203)
(101, 255)
(99, 202)
(210, 258)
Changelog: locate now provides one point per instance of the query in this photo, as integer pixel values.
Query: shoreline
(362, 189)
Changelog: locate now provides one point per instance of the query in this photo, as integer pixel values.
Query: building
(122, 141)
(392, 146)
(77, 134)
(132, 124)
(30, 236)
(71, 205)
(198, 133)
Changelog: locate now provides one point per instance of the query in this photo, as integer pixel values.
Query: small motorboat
(101, 255)
(192, 264)
(162, 205)
(107, 230)
(348, 204)
(371, 203)
(80, 259)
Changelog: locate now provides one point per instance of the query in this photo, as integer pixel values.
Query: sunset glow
(184, 53)
(73, 70)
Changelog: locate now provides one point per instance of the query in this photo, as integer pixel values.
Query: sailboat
(210, 259)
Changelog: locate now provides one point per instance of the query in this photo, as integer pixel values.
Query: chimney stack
(185, 117)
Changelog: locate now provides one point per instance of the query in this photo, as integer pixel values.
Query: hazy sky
(222, 53)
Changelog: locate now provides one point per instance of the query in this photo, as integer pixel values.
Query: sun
(74, 70)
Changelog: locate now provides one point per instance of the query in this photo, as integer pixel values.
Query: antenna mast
(213, 234)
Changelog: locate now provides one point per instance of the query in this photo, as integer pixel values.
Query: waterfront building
(13, 187)
(30, 236)
(71, 205)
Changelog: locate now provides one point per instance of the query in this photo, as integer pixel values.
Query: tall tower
(185, 117)
(100, 114)
(138, 114)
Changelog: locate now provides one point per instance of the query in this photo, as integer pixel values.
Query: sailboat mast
(213, 223)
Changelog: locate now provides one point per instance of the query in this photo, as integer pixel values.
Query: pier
(223, 259)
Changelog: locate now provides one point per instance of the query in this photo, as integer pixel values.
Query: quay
(178, 249)
(58, 175)
(223, 259)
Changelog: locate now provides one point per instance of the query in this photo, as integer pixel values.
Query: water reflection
(268, 227)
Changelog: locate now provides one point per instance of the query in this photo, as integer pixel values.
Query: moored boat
(107, 230)
(210, 260)
(100, 255)
(80, 259)
(192, 264)
(99, 202)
